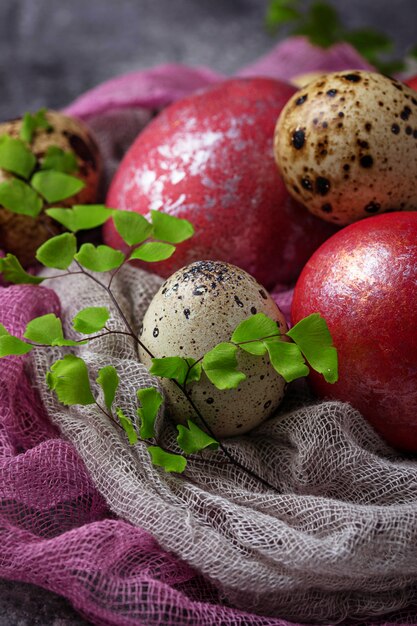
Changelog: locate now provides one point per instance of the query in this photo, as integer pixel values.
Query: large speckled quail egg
(22, 235)
(346, 146)
(195, 309)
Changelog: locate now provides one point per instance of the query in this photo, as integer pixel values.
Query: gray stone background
(52, 50)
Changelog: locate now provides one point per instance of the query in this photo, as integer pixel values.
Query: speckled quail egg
(195, 309)
(346, 146)
(22, 235)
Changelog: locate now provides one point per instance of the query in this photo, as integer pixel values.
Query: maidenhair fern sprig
(155, 240)
(31, 184)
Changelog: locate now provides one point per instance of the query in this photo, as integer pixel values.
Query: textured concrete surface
(27, 605)
(51, 51)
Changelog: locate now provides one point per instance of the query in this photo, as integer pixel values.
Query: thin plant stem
(114, 420)
(132, 334)
(109, 415)
(116, 270)
(113, 299)
(221, 445)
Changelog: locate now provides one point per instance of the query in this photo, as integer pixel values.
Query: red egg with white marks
(209, 158)
(412, 82)
(363, 282)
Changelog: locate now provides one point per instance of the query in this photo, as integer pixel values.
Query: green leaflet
(169, 228)
(193, 439)
(56, 186)
(60, 161)
(220, 365)
(172, 367)
(170, 462)
(153, 251)
(68, 377)
(10, 345)
(250, 333)
(150, 400)
(369, 42)
(81, 216)
(176, 368)
(99, 259)
(47, 330)
(313, 337)
(108, 380)
(280, 12)
(13, 272)
(19, 197)
(286, 359)
(132, 227)
(257, 348)
(373, 45)
(91, 319)
(69, 342)
(58, 252)
(321, 25)
(128, 427)
(31, 122)
(16, 157)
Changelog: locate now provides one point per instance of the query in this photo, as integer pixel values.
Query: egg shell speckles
(346, 146)
(22, 235)
(209, 158)
(194, 310)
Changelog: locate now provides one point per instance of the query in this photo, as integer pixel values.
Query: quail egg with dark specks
(21, 234)
(346, 146)
(195, 309)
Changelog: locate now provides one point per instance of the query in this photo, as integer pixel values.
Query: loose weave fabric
(336, 537)
(87, 516)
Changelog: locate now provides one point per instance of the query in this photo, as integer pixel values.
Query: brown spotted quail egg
(22, 235)
(195, 309)
(346, 146)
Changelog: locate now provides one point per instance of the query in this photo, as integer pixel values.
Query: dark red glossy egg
(209, 158)
(363, 280)
(412, 82)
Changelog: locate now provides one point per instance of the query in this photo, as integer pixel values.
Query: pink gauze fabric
(56, 529)
(164, 84)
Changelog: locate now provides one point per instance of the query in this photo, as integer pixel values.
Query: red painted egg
(209, 158)
(412, 82)
(363, 280)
